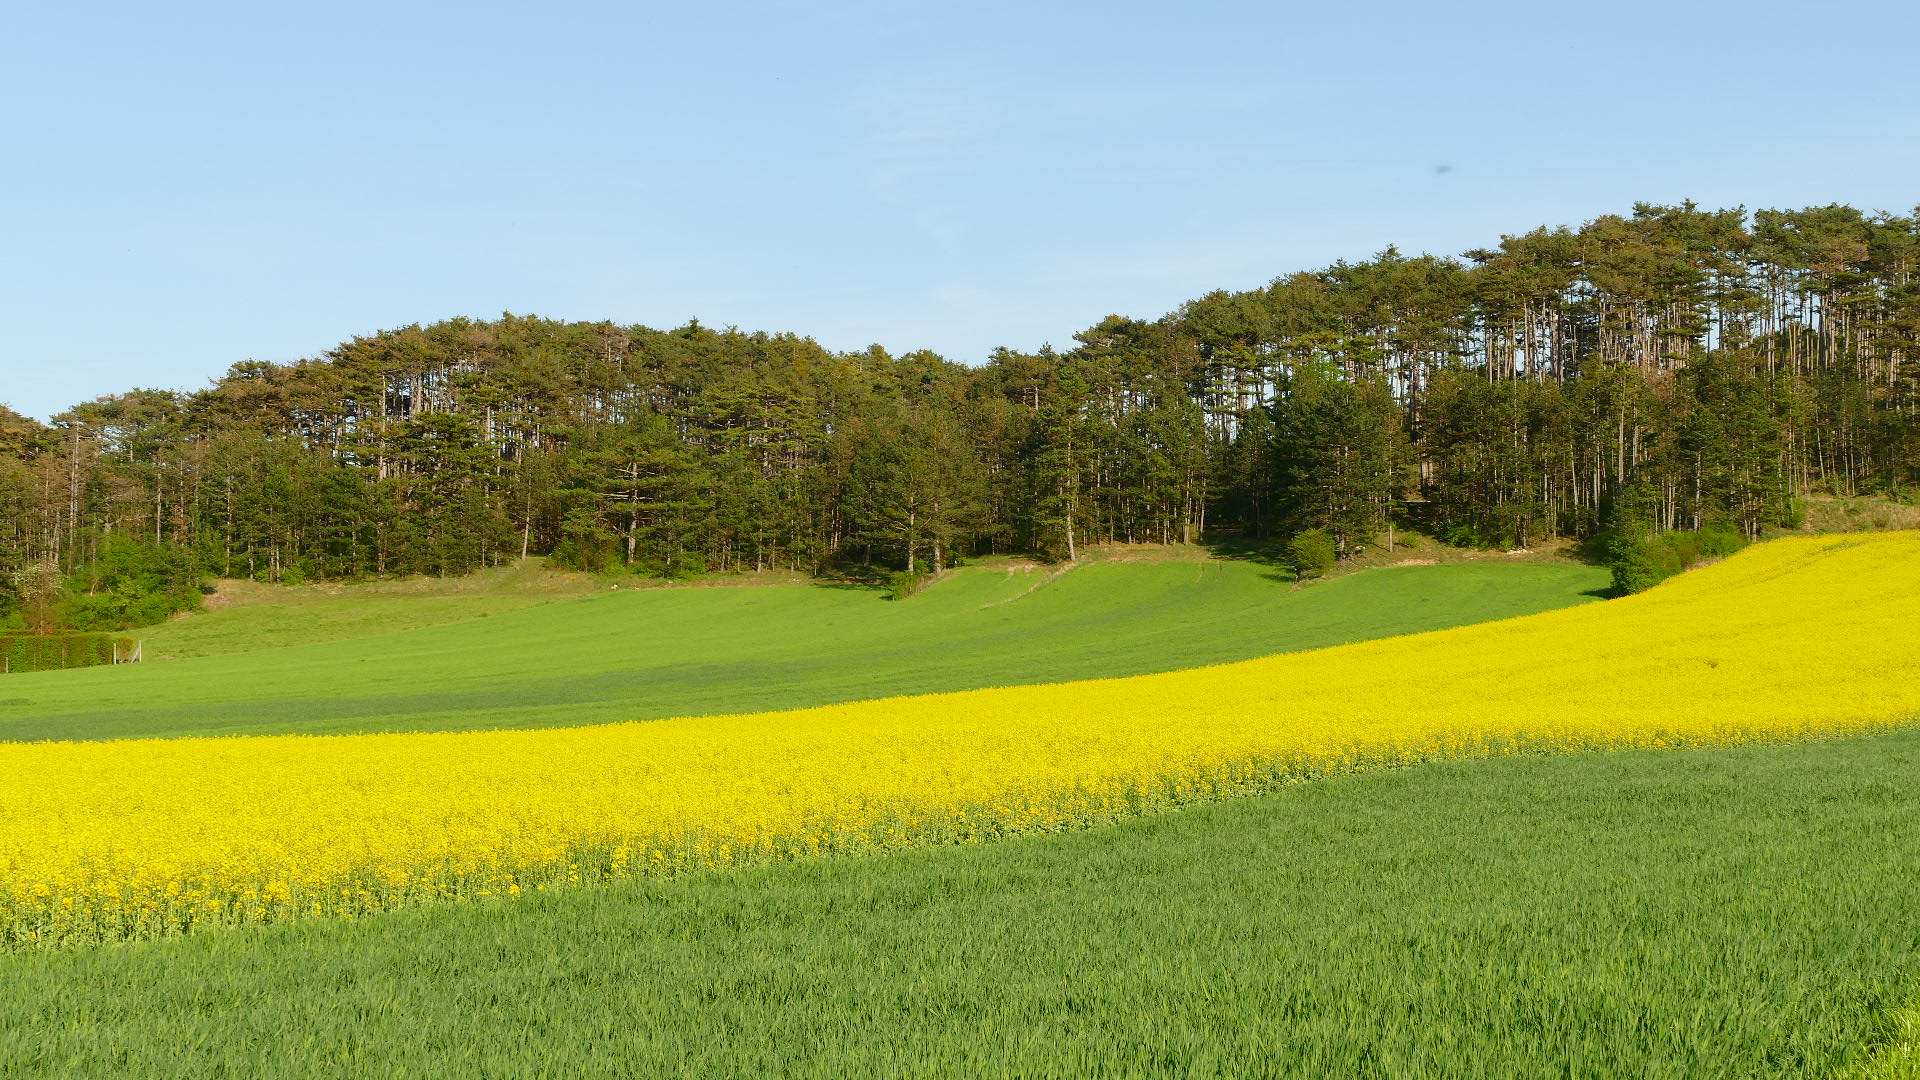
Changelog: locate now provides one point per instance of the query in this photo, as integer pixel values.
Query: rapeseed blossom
(1788, 639)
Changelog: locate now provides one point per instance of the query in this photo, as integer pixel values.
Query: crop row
(1790, 639)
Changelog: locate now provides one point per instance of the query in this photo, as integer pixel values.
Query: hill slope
(644, 654)
(1785, 640)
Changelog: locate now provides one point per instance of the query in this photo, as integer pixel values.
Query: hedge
(51, 652)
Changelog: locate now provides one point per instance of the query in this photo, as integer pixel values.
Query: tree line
(1669, 369)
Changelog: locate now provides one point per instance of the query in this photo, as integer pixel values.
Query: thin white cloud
(908, 137)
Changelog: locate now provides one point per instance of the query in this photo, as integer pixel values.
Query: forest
(1670, 369)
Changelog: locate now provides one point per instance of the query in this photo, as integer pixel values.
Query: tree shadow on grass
(1263, 552)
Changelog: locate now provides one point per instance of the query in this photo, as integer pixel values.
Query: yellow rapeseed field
(101, 840)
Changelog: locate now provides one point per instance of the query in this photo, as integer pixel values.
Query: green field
(1743, 912)
(385, 660)
(1747, 912)
(246, 616)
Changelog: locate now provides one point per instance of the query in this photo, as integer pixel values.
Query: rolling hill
(522, 660)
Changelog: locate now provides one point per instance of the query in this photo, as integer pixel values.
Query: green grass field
(515, 657)
(1739, 912)
(1750, 912)
(247, 616)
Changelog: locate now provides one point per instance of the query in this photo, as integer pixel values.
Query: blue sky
(188, 186)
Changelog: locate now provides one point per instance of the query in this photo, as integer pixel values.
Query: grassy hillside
(245, 616)
(1750, 912)
(533, 661)
(1864, 513)
(1793, 638)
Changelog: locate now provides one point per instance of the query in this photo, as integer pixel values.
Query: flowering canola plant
(105, 840)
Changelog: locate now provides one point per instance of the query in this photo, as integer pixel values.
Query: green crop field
(1738, 912)
(1749, 912)
(515, 657)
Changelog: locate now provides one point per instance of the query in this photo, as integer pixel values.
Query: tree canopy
(1714, 364)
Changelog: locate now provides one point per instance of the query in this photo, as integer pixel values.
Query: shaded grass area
(1713, 913)
(308, 616)
(245, 616)
(646, 654)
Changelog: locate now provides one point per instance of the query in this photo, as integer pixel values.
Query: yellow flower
(113, 839)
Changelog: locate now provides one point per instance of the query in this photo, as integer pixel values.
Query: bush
(585, 543)
(1718, 542)
(907, 582)
(655, 561)
(53, 652)
(1638, 564)
(1632, 567)
(1793, 513)
(129, 583)
(1312, 553)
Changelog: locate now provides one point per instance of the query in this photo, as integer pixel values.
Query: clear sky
(185, 186)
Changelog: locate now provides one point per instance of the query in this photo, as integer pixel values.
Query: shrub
(905, 583)
(585, 543)
(53, 652)
(1632, 567)
(1793, 513)
(1312, 553)
(1719, 541)
(129, 583)
(656, 561)
(1638, 564)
